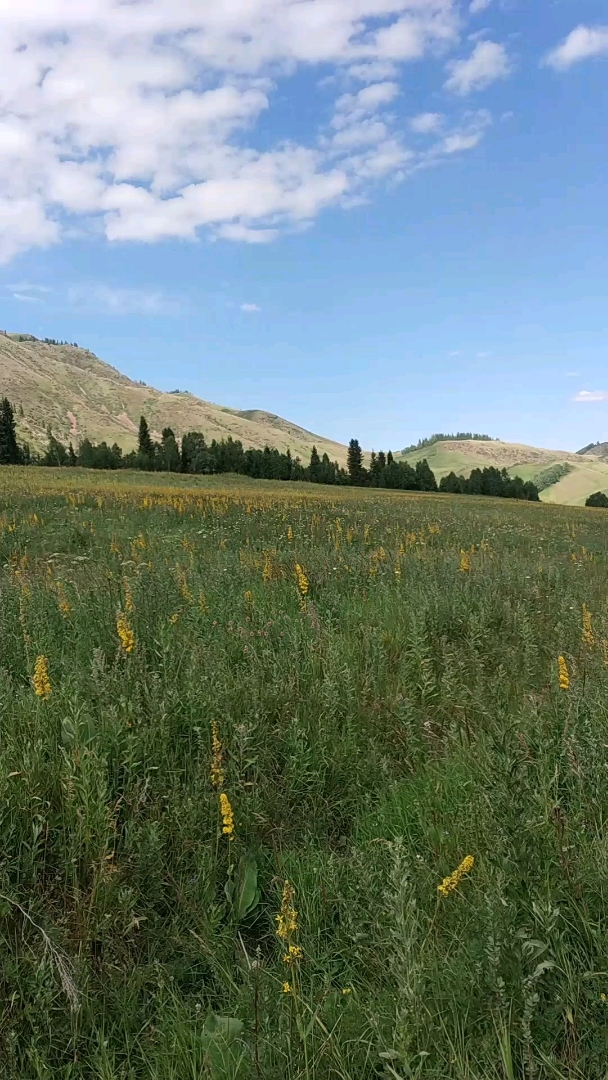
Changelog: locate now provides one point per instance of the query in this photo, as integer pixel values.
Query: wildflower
(40, 679)
(217, 772)
(587, 635)
(465, 562)
(248, 599)
(290, 534)
(287, 919)
(227, 816)
(174, 618)
(125, 633)
(129, 605)
(64, 607)
(267, 571)
(183, 584)
(451, 883)
(286, 988)
(293, 954)
(347, 990)
(564, 677)
(202, 601)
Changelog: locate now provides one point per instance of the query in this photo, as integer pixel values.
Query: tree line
(196, 456)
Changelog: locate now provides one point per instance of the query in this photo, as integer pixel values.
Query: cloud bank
(137, 120)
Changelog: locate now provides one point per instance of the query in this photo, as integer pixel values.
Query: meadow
(300, 783)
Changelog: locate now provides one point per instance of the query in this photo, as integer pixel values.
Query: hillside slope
(78, 395)
(589, 472)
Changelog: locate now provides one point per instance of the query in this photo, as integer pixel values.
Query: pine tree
(145, 446)
(9, 449)
(170, 451)
(354, 462)
(72, 459)
(314, 468)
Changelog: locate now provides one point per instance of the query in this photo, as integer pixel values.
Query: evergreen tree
(314, 469)
(389, 458)
(9, 449)
(56, 453)
(169, 455)
(145, 445)
(72, 459)
(354, 462)
(425, 477)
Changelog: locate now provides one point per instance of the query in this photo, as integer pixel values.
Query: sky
(377, 218)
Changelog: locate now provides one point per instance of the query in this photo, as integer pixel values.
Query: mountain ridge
(69, 389)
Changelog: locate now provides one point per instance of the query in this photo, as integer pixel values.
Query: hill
(588, 472)
(78, 395)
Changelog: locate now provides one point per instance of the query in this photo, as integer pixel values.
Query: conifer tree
(354, 462)
(9, 449)
(315, 465)
(145, 446)
(170, 455)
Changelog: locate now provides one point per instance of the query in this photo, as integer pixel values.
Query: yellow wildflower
(202, 601)
(40, 679)
(564, 677)
(248, 599)
(174, 618)
(293, 954)
(347, 990)
(267, 571)
(125, 633)
(465, 562)
(227, 816)
(217, 772)
(290, 534)
(286, 988)
(129, 605)
(587, 635)
(287, 919)
(450, 883)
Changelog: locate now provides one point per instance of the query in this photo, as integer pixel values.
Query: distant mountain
(587, 471)
(69, 389)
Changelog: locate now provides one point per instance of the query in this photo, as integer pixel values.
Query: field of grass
(247, 730)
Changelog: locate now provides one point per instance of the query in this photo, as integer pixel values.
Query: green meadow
(295, 786)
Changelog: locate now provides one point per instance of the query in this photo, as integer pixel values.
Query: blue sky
(378, 218)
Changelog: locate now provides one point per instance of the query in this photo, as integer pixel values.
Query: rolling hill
(78, 395)
(588, 472)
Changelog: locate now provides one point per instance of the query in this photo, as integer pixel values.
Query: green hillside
(588, 471)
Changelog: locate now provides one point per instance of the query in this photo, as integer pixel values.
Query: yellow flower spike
(465, 562)
(290, 534)
(293, 954)
(227, 816)
(564, 677)
(287, 919)
(588, 637)
(125, 633)
(40, 678)
(217, 771)
(452, 881)
(286, 988)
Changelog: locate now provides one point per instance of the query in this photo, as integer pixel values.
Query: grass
(388, 710)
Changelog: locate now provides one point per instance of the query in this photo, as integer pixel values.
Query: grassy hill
(589, 471)
(78, 395)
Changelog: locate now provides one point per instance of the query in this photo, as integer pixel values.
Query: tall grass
(366, 732)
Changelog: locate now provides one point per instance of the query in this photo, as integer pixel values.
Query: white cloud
(135, 119)
(425, 123)
(582, 43)
(591, 395)
(250, 307)
(487, 62)
(98, 297)
(479, 5)
(25, 298)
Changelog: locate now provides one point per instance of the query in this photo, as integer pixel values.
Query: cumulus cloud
(136, 120)
(425, 123)
(591, 395)
(479, 5)
(487, 62)
(250, 307)
(582, 43)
